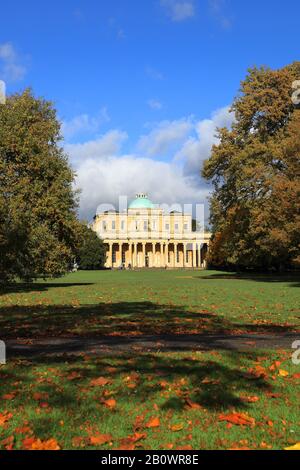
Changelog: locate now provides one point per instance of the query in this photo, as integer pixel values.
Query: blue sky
(141, 85)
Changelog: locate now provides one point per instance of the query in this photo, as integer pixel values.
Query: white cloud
(105, 173)
(154, 104)
(179, 10)
(197, 148)
(84, 123)
(102, 182)
(164, 136)
(11, 68)
(105, 146)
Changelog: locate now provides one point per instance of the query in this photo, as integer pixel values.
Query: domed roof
(141, 202)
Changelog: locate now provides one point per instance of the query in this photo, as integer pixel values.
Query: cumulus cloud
(179, 10)
(102, 182)
(163, 137)
(105, 146)
(197, 148)
(84, 123)
(11, 68)
(104, 172)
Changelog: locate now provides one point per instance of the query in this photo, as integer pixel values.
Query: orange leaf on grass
(275, 366)
(73, 375)
(153, 423)
(110, 403)
(126, 446)
(32, 443)
(250, 399)
(4, 417)
(177, 427)
(296, 376)
(100, 382)
(100, 439)
(9, 396)
(283, 373)
(128, 443)
(240, 419)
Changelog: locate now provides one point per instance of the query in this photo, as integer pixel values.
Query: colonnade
(160, 254)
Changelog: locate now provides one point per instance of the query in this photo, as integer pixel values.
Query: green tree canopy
(38, 222)
(255, 170)
(91, 252)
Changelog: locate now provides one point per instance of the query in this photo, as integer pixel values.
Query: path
(115, 345)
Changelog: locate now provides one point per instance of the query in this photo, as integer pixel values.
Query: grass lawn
(157, 400)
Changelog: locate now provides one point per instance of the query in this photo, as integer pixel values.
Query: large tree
(38, 222)
(255, 170)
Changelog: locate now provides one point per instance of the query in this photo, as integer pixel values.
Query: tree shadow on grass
(120, 319)
(292, 278)
(20, 287)
(182, 381)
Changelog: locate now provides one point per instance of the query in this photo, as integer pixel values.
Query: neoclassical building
(145, 236)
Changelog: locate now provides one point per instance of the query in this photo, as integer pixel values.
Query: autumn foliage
(255, 170)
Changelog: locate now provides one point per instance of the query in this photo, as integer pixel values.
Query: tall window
(104, 226)
(123, 225)
(186, 227)
(167, 226)
(176, 227)
(145, 225)
(113, 225)
(154, 224)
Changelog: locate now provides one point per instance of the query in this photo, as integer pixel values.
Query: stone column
(109, 256)
(194, 255)
(175, 255)
(184, 255)
(166, 254)
(153, 255)
(161, 260)
(144, 255)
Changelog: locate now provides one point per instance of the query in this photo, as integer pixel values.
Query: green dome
(141, 202)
